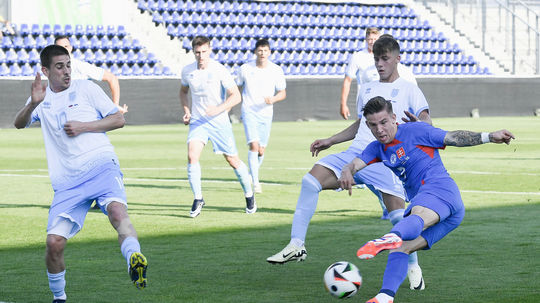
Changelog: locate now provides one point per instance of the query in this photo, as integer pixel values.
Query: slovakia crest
(394, 92)
(400, 153)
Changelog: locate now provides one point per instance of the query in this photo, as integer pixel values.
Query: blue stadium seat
(167, 71)
(114, 69)
(99, 57)
(11, 56)
(95, 43)
(147, 70)
(88, 56)
(22, 56)
(121, 57)
(126, 70)
(57, 30)
(24, 29)
(4, 70)
(110, 57)
(137, 70)
(78, 54)
(121, 31)
(79, 31)
(2, 56)
(15, 70)
(131, 57)
(157, 70)
(68, 30)
(27, 70)
(106, 43)
(17, 42)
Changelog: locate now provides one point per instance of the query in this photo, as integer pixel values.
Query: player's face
(202, 55)
(65, 43)
(370, 40)
(262, 53)
(59, 73)
(386, 64)
(383, 126)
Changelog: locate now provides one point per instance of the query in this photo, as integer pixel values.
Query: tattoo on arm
(462, 138)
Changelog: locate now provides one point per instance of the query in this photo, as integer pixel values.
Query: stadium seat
(126, 70)
(22, 56)
(27, 70)
(15, 70)
(4, 70)
(11, 56)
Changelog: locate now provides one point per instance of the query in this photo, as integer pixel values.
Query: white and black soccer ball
(342, 279)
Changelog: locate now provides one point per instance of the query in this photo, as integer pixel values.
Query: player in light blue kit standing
(213, 94)
(263, 84)
(410, 150)
(83, 167)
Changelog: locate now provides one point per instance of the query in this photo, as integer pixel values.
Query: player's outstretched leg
(291, 252)
(137, 269)
(373, 247)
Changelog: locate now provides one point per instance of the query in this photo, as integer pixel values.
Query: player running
(410, 150)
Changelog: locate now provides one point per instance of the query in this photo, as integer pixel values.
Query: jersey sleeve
(240, 79)
(183, 77)
(352, 66)
(281, 84)
(227, 80)
(371, 153)
(35, 113)
(427, 135)
(92, 71)
(417, 102)
(102, 103)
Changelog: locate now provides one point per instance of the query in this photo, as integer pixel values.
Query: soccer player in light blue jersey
(263, 84)
(83, 167)
(410, 150)
(213, 94)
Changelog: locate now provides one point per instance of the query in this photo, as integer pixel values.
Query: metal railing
(505, 30)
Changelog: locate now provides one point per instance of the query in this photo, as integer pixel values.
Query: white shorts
(70, 206)
(221, 135)
(376, 175)
(257, 128)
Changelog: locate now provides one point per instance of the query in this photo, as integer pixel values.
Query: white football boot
(415, 277)
(291, 252)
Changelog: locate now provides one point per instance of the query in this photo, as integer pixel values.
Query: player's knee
(55, 245)
(116, 211)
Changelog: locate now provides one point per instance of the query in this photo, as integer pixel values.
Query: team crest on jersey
(368, 90)
(394, 93)
(46, 104)
(400, 153)
(393, 159)
(72, 96)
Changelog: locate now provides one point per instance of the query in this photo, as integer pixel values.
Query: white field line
(275, 184)
(470, 172)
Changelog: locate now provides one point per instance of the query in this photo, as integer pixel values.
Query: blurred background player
(208, 119)
(85, 70)
(410, 150)
(82, 164)
(262, 84)
(325, 173)
(5, 28)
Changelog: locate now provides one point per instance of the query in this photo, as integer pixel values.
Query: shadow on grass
(23, 206)
(227, 264)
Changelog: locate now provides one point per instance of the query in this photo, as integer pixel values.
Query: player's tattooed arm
(461, 138)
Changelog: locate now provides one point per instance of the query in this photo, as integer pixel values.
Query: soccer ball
(342, 279)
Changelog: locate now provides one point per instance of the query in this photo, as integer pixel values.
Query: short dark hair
(49, 52)
(60, 37)
(384, 45)
(376, 105)
(262, 42)
(372, 30)
(200, 40)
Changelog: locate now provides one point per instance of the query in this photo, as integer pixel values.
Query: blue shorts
(257, 128)
(375, 175)
(104, 185)
(221, 136)
(443, 197)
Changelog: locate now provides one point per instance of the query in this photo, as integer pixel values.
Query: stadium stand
(308, 38)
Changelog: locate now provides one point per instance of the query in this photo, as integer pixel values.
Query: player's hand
(186, 118)
(38, 90)
(346, 181)
(318, 145)
(122, 109)
(268, 100)
(411, 117)
(213, 111)
(501, 136)
(74, 128)
(345, 113)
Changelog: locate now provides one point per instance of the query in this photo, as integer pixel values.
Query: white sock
(194, 178)
(305, 207)
(242, 174)
(57, 284)
(253, 162)
(129, 246)
(383, 298)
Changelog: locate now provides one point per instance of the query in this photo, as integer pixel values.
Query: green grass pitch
(220, 255)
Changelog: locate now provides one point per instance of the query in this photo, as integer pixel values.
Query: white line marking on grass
(500, 192)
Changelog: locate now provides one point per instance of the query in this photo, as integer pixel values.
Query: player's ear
(45, 71)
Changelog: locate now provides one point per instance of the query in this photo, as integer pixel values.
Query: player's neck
(261, 64)
(393, 77)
